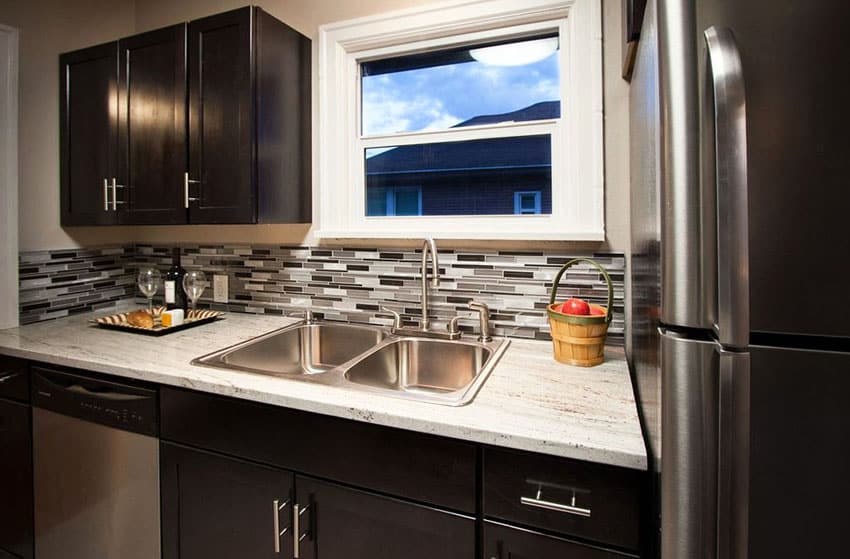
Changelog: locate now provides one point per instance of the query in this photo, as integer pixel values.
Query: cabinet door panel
(152, 126)
(16, 509)
(508, 542)
(213, 506)
(221, 119)
(88, 133)
(341, 523)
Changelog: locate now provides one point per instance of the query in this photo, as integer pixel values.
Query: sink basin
(368, 359)
(442, 371)
(302, 349)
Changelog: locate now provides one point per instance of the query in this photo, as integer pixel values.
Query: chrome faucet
(428, 246)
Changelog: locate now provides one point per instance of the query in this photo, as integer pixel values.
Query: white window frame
(538, 197)
(576, 138)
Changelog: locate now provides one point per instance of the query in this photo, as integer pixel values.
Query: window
(466, 119)
(393, 200)
(527, 202)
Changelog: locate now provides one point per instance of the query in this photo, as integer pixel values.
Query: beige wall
(39, 108)
(47, 28)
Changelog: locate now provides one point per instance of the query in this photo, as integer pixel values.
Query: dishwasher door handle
(75, 388)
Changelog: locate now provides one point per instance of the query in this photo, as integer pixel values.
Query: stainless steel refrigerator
(740, 274)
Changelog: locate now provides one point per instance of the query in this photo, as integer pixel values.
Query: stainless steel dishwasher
(96, 468)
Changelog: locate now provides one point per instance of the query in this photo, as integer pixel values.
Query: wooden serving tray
(194, 318)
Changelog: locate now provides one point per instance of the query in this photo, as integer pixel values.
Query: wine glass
(148, 282)
(194, 283)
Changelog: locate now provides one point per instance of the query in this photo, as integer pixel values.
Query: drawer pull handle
(8, 376)
(557, 507)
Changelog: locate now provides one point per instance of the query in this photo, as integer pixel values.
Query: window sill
(593, 236)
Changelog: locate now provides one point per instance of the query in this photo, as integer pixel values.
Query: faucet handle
(396, 317)
(452, 326)
(308, 315)
(484, 316)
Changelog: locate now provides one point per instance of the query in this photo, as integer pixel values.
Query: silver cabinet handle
(186, 198)
(725, 84)
(115, 187)
(106, 195)
(557, 507)
(296, 528)
(276, 517)
(538, 502)
(297, 536)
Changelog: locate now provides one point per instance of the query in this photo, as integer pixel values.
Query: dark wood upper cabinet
(249, 112)
(152, 127)
(205, 122)
(88, 131)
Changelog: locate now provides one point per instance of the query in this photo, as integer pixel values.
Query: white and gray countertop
(530, 402)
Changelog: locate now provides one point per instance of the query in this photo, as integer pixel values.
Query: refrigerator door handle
(724, 84)
(733, 456)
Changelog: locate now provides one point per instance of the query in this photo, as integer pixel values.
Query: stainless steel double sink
(367, 358)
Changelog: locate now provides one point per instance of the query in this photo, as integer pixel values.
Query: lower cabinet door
(223, 508)
(16, 507)
(335, 522)
(508, 542)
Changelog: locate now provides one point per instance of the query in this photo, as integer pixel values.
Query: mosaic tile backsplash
(352, 284)
(54, 284)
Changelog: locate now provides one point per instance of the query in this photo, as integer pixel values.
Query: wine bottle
(175, 297)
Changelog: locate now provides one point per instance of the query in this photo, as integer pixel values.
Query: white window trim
(577, 208)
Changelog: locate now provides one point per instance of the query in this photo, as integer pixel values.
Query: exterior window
(478, 121)
(527, 202)
(394, 200)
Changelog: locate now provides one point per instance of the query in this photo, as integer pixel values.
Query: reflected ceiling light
(516, 54)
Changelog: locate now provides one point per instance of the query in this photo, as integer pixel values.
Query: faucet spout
(429, 245)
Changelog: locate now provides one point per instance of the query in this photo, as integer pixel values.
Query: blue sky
(440, 97)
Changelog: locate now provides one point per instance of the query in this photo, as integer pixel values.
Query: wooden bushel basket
(579, 339)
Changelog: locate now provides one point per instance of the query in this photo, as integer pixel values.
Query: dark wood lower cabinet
(343, 523)
(16, 506)
(509, 542)
(222, 508)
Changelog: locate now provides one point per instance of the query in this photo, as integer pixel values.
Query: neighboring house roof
(505, 153)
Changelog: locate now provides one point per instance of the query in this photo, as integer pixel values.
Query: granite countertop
(529, 402)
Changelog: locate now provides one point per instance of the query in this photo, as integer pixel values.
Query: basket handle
(593, 263)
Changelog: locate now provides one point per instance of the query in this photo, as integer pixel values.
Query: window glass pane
(487, 84)
(407, 201)
(474, 177)
(376, 201)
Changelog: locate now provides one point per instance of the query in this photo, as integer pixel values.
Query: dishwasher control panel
(126, 406)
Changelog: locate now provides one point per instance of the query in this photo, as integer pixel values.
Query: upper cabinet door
(221, 119)
(152, 127)
(88, 134)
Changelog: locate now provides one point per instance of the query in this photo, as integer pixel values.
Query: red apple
(575, 306)
(598, 311)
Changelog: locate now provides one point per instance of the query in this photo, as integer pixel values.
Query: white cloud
(387, 110)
